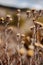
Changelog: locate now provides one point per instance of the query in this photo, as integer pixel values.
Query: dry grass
(40, 19)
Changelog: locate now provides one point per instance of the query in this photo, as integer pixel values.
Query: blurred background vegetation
(40, 19)
(15, 20)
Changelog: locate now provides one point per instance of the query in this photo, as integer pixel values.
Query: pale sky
(37, 4)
